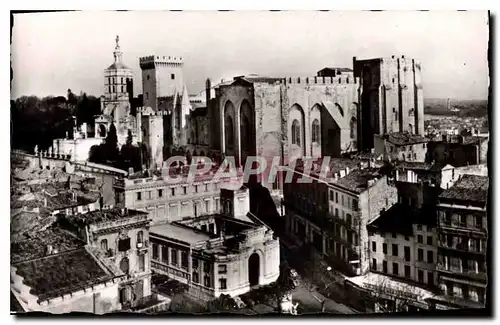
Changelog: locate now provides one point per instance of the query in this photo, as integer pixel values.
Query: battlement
(148, 111)
(155, 60)
(338, 80)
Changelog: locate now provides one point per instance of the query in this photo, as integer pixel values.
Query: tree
(388, 299)
(111, 144)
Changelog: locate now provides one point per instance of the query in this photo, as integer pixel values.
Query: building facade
(401, 147)
(228, 253)
(463, 235)
(120, 238)
(332, 216)
(392, 97)
(286, 117)
(168, 202)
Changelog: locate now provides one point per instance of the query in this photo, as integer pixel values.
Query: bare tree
(387, 299)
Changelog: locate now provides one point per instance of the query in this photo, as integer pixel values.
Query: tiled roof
(468, 188)
(405, 138)
(357, 180)
(60, 274)
(106, 215)
(34, 245)
(415, 165)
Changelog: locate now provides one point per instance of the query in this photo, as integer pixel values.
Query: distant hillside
(467, 107)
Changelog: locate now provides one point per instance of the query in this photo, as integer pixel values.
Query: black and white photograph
(250, 163)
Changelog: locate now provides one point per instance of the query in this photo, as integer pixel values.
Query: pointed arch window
(296, 132)
(229, 131)
(315, 131)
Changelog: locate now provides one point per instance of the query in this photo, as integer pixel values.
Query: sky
(52, 52)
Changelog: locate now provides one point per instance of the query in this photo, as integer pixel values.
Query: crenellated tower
(162, 78)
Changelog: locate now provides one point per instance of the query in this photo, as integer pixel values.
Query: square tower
(392, 99)
(162, 77)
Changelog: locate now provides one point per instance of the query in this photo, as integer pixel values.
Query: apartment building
(166, 201)
(227, 253)
(463, 235)
(332, 216)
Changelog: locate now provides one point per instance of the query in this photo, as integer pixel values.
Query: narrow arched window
(229, 131)
(296, 132)
(315, 131)
(353, 127)
(140, 237)
(104, 244)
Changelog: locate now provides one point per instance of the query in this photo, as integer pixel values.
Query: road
(306, 294)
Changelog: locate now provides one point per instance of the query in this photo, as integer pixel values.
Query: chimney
(130, 170)
(73, 196)
(347, 170)
(45, 202)
(48, 250)
(342, 173)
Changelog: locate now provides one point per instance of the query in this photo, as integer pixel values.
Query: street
(310, 300)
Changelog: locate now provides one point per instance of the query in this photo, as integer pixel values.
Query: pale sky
(52, 52)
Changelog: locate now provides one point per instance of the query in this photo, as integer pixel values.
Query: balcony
(462, 248)
(458, 271)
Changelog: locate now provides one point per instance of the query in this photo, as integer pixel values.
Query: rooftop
(405, 138)
(401, 218)
(468, 188)
(379, 282)
(414, 165)
(104, 215)
(337, 69)
(60, 274)
(34, 245)
(117, 65)
(185, 234)
(357, 180)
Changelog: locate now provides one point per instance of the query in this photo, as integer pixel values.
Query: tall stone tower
(115, 104)
(151, 125)
(162, 78)
(392, 99)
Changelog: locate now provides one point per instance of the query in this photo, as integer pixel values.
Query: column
(169, 252)
(160, 252)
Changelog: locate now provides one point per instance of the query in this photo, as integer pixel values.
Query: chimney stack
(45, 202)
(48, 250)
